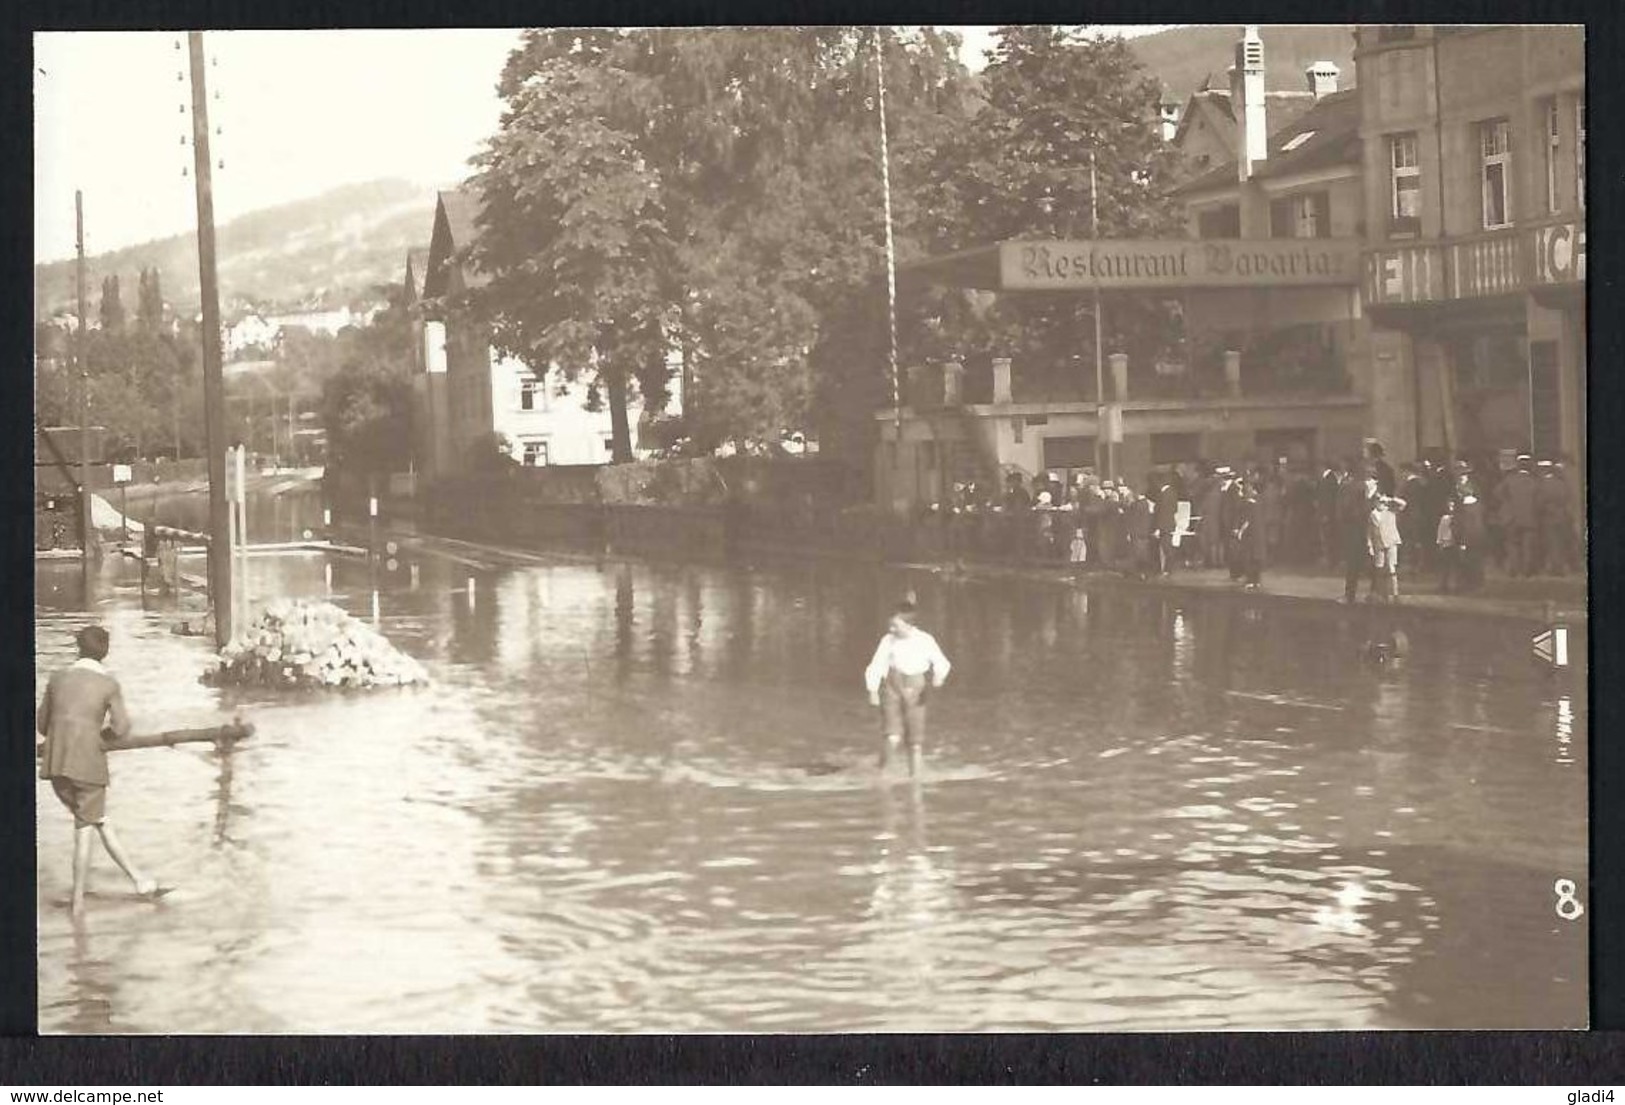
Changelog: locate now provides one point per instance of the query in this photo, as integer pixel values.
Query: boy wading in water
(907, 663)
(78, 700)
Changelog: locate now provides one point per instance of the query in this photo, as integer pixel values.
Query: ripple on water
(644, 799)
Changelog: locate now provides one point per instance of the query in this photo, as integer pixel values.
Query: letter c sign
(1559, 253)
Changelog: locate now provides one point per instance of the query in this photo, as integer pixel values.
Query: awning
(1143, 264)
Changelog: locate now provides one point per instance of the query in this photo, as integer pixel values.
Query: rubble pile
(313, 644)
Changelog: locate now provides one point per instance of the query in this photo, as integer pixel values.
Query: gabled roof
(1280, 109)
(454, 230)
(462, 207)
(1333, 128)
(417, 268)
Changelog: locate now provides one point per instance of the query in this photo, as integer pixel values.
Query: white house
(466, 392)
(249, 332)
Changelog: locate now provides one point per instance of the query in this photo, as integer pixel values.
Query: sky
(296, 116)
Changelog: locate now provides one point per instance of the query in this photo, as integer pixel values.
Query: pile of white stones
(313, 644)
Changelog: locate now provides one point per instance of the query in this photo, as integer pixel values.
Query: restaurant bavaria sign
(1176, 263)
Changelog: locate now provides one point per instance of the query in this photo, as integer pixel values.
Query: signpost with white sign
(121, 477)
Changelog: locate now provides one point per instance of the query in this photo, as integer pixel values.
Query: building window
(1405, 176)
(535, 452)
(1495, 152)
(1311, 215)
(1219, 222)
(1580, 149)
(609, 444)
(1305, 216)
(531, 395)
(1554, 141)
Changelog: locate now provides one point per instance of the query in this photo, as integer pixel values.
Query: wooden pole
(87, 528)
(221, 733)
(214, 415)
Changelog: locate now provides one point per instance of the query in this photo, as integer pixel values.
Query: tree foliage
(719, 192)
(364, 377)
(710, 190)
(1021, 170)
(142, 387)
(112, 309)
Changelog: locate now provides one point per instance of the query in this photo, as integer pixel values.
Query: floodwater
(641, 797)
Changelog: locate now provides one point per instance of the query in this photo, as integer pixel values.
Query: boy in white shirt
(906, 664)
(1382, 538)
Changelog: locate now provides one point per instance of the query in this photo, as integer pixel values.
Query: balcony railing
(1500, 262)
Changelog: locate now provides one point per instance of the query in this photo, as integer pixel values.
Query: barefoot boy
(906, 663)
(78, 700)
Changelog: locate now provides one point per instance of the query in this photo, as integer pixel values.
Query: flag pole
(891, 251)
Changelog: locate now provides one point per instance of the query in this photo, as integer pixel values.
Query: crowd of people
(1354, 515)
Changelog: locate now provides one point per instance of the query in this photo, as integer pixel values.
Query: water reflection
(1137, 814)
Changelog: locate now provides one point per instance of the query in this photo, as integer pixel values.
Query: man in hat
(1557, 544)
(1209, 522)
(79, 700)
(1355, 498)
(1519, 515)
(1379, 467)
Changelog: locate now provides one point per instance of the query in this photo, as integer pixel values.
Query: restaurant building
(1401, 261)
(1276, 358)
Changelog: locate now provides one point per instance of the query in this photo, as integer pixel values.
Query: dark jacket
(1552, 501)
(1167, 510)
(1516, 500)
(78, 700)
(1385, 476)
(1470, 524)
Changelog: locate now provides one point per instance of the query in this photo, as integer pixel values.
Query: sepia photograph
(811, 529)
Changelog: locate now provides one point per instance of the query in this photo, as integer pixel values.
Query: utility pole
(214, 416)
(1102, 440)
(87, 528)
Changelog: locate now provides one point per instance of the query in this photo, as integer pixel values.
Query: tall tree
(112, 309)
(574, 238)
(695, 187)
(150, 302)
(364, 376)
(1054, 94)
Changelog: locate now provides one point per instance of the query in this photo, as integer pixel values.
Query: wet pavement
(640, 797)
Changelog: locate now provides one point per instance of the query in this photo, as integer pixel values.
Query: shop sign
(1558, 253)
(1175, 263)
(1408, 275)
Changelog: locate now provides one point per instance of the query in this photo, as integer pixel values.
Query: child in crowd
(1382, 539)
(1449, 549)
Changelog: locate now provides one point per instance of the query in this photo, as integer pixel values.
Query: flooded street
(641, 797)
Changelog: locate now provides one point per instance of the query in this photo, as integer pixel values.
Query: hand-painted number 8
(1568, 906)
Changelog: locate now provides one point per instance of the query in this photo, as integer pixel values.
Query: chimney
(1322, 78)
(1170, 121)
(1247, 96)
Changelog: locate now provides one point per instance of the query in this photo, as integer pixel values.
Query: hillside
(332, 248)
(1180, 58)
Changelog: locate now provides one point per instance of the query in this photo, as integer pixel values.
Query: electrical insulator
(183, 171)
(179, 76)
(221, 164)
(183, 109)
(183, 139)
